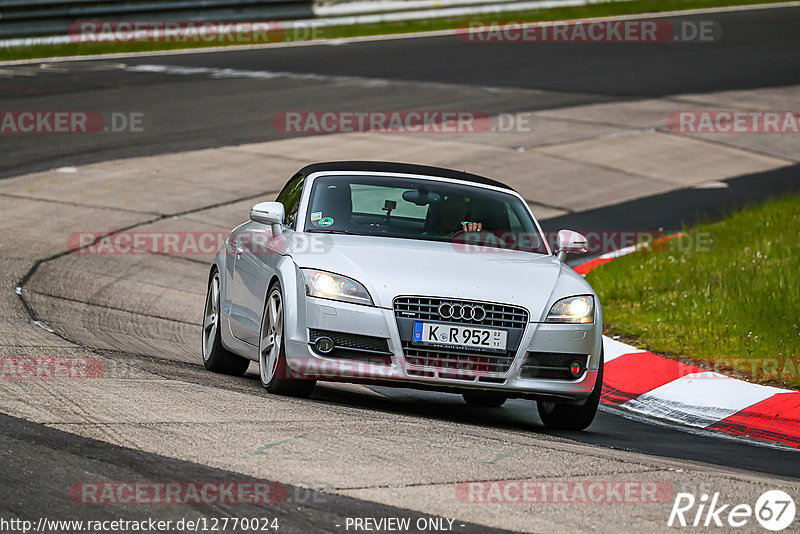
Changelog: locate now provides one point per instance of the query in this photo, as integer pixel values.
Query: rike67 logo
(774, 510)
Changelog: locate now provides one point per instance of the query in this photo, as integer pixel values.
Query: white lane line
(19, 71)
(43, 326)
(700, 399)
(714, 184)
(359, 81)
(383, 37)
(220, 73)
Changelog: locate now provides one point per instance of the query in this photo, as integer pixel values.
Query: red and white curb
(651, 385)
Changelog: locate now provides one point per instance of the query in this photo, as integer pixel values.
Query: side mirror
(570, 242)
(269, 213)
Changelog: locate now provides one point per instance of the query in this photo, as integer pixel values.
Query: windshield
(421, 209)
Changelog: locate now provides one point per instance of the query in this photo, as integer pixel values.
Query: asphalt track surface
(759, 49)
(51, 460)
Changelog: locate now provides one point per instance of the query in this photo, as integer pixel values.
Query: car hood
(389, 267)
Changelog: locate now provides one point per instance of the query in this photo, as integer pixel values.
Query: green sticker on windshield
(326, 221)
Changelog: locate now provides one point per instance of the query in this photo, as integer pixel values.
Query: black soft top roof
(406, 168)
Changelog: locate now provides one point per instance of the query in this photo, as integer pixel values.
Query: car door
(247, 287)
(255, 255)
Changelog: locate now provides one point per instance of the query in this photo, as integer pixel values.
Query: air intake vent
(354, 346)
(549, 365)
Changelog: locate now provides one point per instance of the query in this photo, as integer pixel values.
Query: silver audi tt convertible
(410, 276)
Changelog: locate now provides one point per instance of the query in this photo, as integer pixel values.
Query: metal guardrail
(25, 18)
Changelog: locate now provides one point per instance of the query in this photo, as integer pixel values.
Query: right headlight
(335, 287)
(578, 309)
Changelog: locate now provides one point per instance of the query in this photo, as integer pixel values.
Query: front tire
(569, 416)
(272, 367)
(216, 357)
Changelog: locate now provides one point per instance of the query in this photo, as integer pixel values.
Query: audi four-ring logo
(459, 311)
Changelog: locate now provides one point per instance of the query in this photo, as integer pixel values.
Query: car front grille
(550, 365)
(427, 308)
(453, 362)
(464, 363)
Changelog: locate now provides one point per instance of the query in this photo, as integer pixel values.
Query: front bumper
(328, 315)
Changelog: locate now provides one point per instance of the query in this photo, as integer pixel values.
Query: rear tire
(484, 400)
(216, 357)
(570, 416)
(272, 368)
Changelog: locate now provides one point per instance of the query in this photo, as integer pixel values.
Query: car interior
(418, 212)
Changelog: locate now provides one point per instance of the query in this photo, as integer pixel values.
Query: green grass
(594, 10)
(732, 305)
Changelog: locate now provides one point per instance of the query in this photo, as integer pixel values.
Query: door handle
(239, 251)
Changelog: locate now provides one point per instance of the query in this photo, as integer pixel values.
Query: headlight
(572, 310)
(332, 286)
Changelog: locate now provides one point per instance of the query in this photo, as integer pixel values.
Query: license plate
(460, 336)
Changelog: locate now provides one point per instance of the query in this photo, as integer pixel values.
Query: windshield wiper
(321, 231)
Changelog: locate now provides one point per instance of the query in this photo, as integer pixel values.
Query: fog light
(576, 368)
(324, 345)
